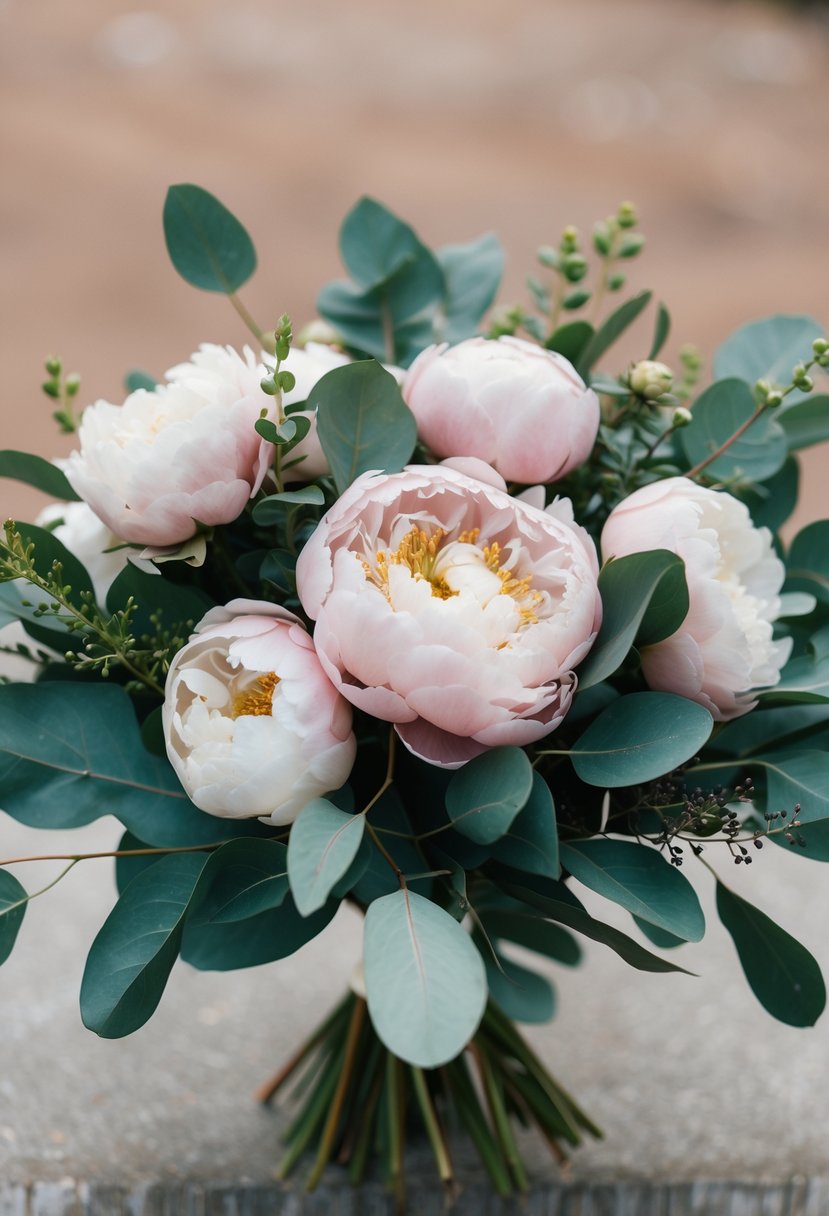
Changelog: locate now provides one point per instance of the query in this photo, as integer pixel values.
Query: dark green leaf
(772, 501)
(800, 779)
(644, 598)
(806, 422)
(137, 379)
(560, 904)
(571, 340)
(782, 973)
(35, 471)
(363, 422)
(641, 880)
(424, 978)
(613, 328)
(768, 350)
(322, 845)
(206, 243)
(128, 868)
(524, 995)
(802, 680)
(527, 929)
(531, 841)
(173, 605)
(484, 796)
(640, 737)
(661, 331)
(271, 509)
(660, 939)
(13, 900)
(375, 245)
(230, 945)
(241, 880)
(807, 565)
(132, 956)
(472, 273)
(389, 819)
(717, 414)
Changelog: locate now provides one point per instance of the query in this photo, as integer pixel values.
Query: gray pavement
(690, 1079)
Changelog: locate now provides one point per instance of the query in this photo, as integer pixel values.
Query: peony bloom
(522, 409)
(162, 463)
(450, 609)
(724, 647)
(252, 724)
(99, 551)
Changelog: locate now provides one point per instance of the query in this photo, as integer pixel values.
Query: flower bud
(820, 346)
(72, 384)
(650, 380)
(626, 215)
(773, 399)
(681, 417)
(53, 365)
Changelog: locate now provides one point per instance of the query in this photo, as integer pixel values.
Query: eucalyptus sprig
(62, 389)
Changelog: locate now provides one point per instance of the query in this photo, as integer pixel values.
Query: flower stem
(433, 1129)
(741, 430)
(246, 317)
(330, 1129)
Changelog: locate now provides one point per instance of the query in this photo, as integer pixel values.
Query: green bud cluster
(62, 389)
(650, 380)
(278, 381)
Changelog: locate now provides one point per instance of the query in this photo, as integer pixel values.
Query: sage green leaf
(132, 956)
(35, 471)
(806, 422)
(660, 332)
(363, 422)
(783, 975)
(389, 819)
(13, 900)
(556, 901)
(749, 734)
(528, 929)
(717, 414)
(425, 979)
(472, 274)
(638, 877)
(242, 879)
(807, 564)
(271, 935)
(659, 937)
(772, 501)
(206, 243)
(768, 350)
(571, 340)
(613, 328)
(640, 737)
(644, 597)
(358, 318)
(271, 509)
(70, 753)
(485, 795)
(800, 780)
(322, 845)
(802, 680)
(137, 379)
(531, 841)
(523, 995)
(375, 246)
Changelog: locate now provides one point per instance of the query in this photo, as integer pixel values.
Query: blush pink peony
(449, 608)
(162, 463)
(724, 648)
(522, 409)
(252, 724)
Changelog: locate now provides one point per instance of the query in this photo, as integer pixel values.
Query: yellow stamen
(419, 552)
(257, 702)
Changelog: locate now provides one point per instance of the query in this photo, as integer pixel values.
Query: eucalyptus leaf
(128, 868)
(531, 841)
(133, 954)
(807, 564)
(717, 414)
(611, 330)
(363, 422)
(206, 243)
(772, 501)
(322, 845)
(35, 471)
(571, 340)
(229, 945)
(13, 900)
(425, 980)
(390, 821)
(242, 879)
(638, 877)
(137, 379)
(472, 273)
(659, 937)
(644, 598)
(800, 779)
(523, 995)
(640, 737)
(526, 928)
(768, 350)
(486, 794)
(270, 510)
(660, 332)
(783, 975)
(802, 680)
(806, 422)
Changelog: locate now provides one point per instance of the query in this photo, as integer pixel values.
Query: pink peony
(162, 463)
(522, 409)
(724, 647)
(450, 609)
(253, 725)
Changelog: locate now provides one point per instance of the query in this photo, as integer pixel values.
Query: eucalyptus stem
(330, 1128)
(433, 1129)
(258, 333)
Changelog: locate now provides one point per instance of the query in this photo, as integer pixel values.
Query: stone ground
(713, 117)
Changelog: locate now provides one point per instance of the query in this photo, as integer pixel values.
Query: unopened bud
(820, 346)
(805, 383)
(773, 399)
(650, 380)
(569, 239)
(53, 365)
(681, 417)
(626, 215)
(72, 384)
(574, 267)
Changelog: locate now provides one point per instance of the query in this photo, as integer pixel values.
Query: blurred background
(463, 117)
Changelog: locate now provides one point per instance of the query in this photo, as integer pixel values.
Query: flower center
(419, 552)
(256, 701)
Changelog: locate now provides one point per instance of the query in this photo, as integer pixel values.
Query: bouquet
(429, 607)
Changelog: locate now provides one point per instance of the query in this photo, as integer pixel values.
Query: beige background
(463, 117)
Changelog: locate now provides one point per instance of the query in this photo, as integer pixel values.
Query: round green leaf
(639, 878)
(473, 274)
(807, 564)
(206, 243)
(242, 879)
(132, 956)
(425, 979)
(13, 900)
(531, 841)
(522, 994)
(484, 797)
(640, 737)
(783, 975)
(271, 935)
(322, 845)
(768, 350)
(717, 415)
